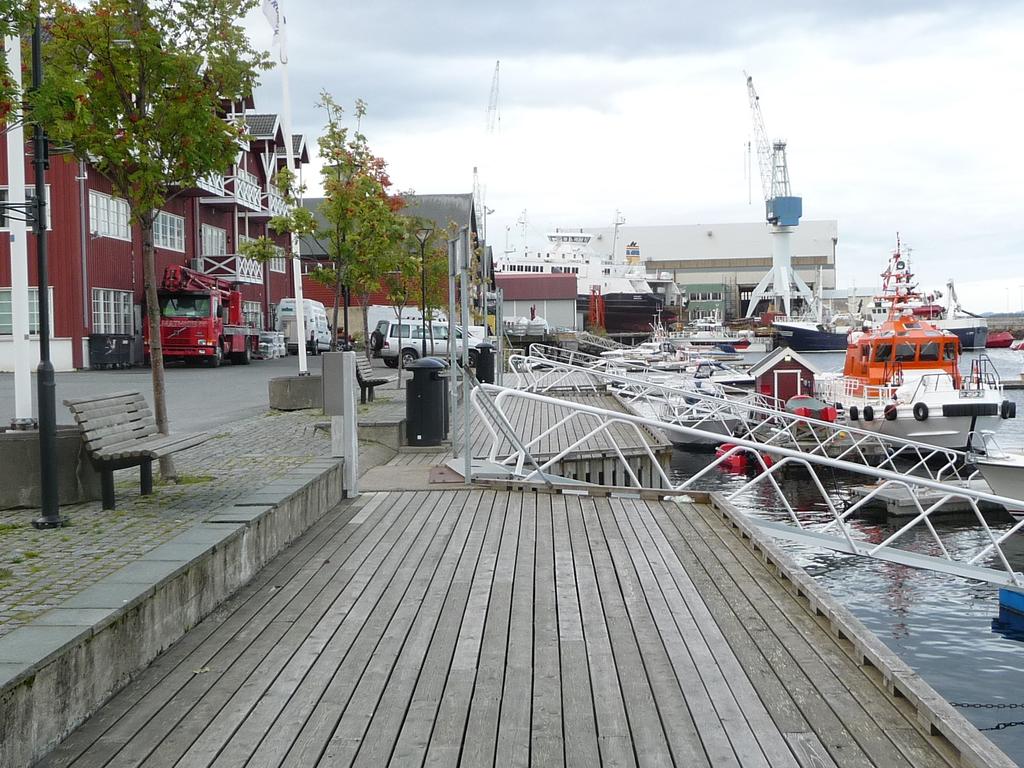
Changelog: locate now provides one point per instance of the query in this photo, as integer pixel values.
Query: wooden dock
(484, 627)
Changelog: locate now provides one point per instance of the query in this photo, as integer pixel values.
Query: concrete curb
(60, 668)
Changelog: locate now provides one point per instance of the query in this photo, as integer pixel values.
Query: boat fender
(869, 413)
(1013, 410)
(853, 413)
(1004, 409)
(890, 412)
(921, 411)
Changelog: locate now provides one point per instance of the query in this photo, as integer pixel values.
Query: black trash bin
(485, 363)
(425, 402)
(108, 350)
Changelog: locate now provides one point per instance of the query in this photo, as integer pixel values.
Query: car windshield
(185, 306)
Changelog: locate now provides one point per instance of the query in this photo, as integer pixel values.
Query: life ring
(1004, 409)
(853, 413)
(890, 412)
(869, 413)
(920, 411)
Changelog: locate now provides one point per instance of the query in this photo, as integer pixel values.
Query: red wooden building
(95, 254)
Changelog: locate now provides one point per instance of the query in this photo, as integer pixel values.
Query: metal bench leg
(146, 477)
(362, 394)
(107, 485)
(371, 393)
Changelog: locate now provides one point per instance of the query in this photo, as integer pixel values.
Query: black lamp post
(423, 234)
(45, 382)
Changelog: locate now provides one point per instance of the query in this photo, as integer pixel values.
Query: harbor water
(948, 629)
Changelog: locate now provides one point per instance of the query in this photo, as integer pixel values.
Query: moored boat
(902, 377)
(999, 340)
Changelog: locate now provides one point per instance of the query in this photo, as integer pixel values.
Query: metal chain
(1001, 726)
(968, 705)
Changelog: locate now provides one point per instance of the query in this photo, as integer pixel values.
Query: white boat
(1003, 471)
(709, 332)
(902, 378)
(621, 291)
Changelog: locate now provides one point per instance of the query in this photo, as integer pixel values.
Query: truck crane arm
(180, 278)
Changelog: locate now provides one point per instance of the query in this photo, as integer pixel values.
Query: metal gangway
(720, 413)
(985, 562)
(599, 342)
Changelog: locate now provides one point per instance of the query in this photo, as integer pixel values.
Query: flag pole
(19, 253)
(272, 10)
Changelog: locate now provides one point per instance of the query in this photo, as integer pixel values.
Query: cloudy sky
(900, 115)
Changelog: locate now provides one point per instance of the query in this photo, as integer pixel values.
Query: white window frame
(30, 193)
(169, 231)
(112, 312)
(109, 216)
(252, 311)
(213, 240)
(278, 263)
(6, 315)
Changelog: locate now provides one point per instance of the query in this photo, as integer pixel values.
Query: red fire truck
(201, 320)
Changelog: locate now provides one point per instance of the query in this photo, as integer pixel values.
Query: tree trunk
(334, 317)
(156, 352)
(364, 302)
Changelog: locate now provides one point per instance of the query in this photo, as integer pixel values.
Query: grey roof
(439, 209)
(442, 209)
(262, 126)
(299, 149)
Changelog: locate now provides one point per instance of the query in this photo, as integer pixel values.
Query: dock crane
(782, 211)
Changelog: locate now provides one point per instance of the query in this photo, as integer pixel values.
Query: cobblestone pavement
(40, 569)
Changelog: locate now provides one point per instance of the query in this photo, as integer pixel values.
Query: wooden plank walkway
(481, 627)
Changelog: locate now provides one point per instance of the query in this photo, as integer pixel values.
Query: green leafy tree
(361, 228)
(139, 88)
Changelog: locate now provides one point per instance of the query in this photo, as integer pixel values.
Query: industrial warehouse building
(717, 266)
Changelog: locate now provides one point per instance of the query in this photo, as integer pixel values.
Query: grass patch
(30, 554)
(8, 527)
(184, 480)
(6, 574)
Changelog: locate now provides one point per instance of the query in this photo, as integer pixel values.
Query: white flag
(272, 11)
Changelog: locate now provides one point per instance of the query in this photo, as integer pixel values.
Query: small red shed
(783, 374)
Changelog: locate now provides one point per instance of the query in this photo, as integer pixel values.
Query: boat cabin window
(883, 353)
(905, 353)
(929, 352)
(949, 351)
(865, 351)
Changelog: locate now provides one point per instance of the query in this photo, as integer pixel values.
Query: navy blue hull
(971, 338)
(807, 340)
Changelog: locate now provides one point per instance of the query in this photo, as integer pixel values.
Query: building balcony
(240, 188)
(232, 267)
(213, 183)
(276, 204)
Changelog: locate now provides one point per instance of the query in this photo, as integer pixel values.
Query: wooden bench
(120, 431)
(367, 379)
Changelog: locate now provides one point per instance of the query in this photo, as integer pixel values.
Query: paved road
(197, 398)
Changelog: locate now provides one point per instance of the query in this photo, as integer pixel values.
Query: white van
(318, 331)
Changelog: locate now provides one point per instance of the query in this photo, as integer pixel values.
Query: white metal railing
(581, 423)
(719, 412)
(213, 183)
(232, 267)
(247, 189)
